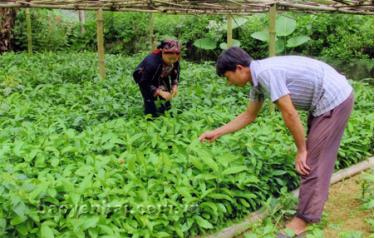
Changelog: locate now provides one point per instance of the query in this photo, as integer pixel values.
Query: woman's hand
(164, 94)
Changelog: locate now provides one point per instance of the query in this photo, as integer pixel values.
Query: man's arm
(293, 122)
(236, 124)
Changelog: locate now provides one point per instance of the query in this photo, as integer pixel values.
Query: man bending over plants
(295, 82)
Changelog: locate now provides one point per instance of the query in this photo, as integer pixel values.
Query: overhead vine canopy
(238, 7)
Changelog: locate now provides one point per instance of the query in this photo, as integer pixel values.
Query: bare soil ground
(344, 209)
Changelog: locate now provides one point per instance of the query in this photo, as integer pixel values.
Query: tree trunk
(7, 21)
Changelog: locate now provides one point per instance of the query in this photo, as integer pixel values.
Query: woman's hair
(161, 45)
(230, 58)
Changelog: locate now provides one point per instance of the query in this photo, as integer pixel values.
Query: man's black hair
(230, 58)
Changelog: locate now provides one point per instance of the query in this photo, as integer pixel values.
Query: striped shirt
(313, 85)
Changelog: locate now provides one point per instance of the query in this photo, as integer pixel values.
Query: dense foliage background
(346, 41)
(78, 158)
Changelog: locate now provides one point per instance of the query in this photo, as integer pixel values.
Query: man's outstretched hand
(209, 136)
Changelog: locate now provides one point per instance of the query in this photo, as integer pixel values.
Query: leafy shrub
(346, 41)
(49, 31)
(79, 159)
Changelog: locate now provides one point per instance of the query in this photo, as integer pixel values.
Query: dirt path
(343, 212)
(344, 209)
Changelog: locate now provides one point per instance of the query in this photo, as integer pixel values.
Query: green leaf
(162, 234)
(83, 171)
(285, 26)
(90, 222)
(243, 202)
(23, 229)
(207, 159)
(297, 41)
(55, 162)
(220, 196)
(185, 191)
(278, 172)
(196, 162)
(206, 177)
(20, 208)
(236, 43)
(93, 233)
(261, 35)
(203, 222)
(86, 183)
(211, 206)
(17, 220)
(234, 170)
(290, 232)
(280, 46)
(46, 231)
(251, 235)
(237, 21)
(205, 43)
(179, 231)
(225, 159)
(345, 234)
(106, 229)
(34, 216)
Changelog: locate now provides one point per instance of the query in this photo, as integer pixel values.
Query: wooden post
(100, 42)
(152, 36)
(272, 31)
(229, 31)
(51, 28)
(272, 40)
(81, 15)
(29, 36)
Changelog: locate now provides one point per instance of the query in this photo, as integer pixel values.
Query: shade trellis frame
(237, 7)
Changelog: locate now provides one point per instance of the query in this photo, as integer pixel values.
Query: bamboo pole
(49, 22)
(205, 7)
(272, 40)
(152, 36)
(81, 15)
(245, 10)
(29, 32)
(272, 31)
(51, 28)
(100, 42)
(229, 31)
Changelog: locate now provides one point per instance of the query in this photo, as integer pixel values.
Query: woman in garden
(158, 76)
(295, 82)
